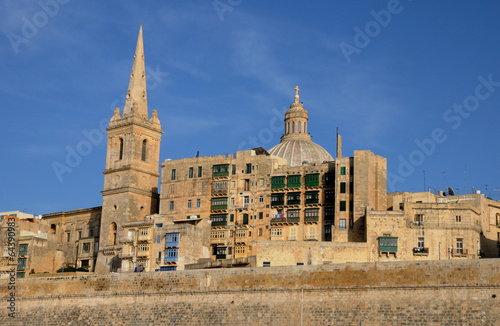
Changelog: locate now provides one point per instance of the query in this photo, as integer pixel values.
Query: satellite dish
(450, 191)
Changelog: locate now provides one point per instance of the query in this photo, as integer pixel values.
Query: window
(200, 171)
(293, 198)
(158, 225)
(86, 248)
(329, 213)
(248, 168)
(68, 237)
(158, 238)
(261, 215)
(277, 232)
(172, 237)
(189, 203)
(121, 148)
(79, 234)
(191, 172)
(234, 169)
(351, 223)
(351, 188)
(342, 170)
(246, 201)
(198, 203)
(420, 242)
(144, 146)
(266, 264)
(388, 244)
(342, 223)
(299, 127)
(231, 201)
(173, 175)
(458, 218)
(342, 207)
(261, 199)
(171, 252)
(460, 246)
(260, 232)
(261, 182)
(91, 232)
(329, 196)
(171, 205)
(293, 213)
(231, 218)
(342, 188)
(23, 249)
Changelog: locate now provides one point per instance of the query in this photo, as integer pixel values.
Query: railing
(293, 202)
(420, 251)
(278, 203)
(142, 253)
(277, 237)
(294, 184)
(278, 186)
(220, 256)
(217, 223)
(285, 220)
(144, 237)
(168, 259)
(21, 266)
(311, 218)
(219, 207)
(311, 237)
(130, 238)
(219, 191)
(292, 237)
(126, 255)
(172, 244)
(460, 252)
(23, 252)
(312, 201)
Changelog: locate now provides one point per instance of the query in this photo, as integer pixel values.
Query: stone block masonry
(461, 292)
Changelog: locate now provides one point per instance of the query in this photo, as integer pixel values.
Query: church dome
(297, 151)
(296, 145)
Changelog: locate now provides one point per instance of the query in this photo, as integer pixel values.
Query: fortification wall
(463, 292)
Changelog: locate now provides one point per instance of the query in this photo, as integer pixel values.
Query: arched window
(299, 125)
(112, 234)
(287, 128)
(305, 127)
(121, 148)
(143, 155)
(293, 127)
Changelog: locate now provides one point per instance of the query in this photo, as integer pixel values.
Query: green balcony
(219, 207)
(388, 244)
(278, 182)
(294, 181)
(312, 180)
(218, 221)
(221, 170)
(312, 219)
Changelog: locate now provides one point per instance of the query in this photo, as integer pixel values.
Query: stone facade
(77, 235)
(35, 249)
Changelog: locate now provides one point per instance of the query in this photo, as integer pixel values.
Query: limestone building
(293, 204)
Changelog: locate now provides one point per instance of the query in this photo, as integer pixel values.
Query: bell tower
(296, 120)
(132, 166)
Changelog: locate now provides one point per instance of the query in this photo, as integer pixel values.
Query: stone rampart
(461, 292)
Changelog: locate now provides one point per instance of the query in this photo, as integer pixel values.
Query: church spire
(136, 101)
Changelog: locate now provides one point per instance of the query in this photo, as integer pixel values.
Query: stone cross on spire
(136, 101)
(297, 94)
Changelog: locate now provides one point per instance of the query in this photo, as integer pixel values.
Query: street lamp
(361, 320)
(179, 317)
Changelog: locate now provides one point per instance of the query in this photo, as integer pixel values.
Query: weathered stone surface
(407, 293)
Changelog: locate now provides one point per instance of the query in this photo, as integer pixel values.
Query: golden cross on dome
(297, 94)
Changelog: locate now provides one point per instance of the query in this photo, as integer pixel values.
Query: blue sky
(414, 81)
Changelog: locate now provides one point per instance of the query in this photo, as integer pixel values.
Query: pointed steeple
(136, 102)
